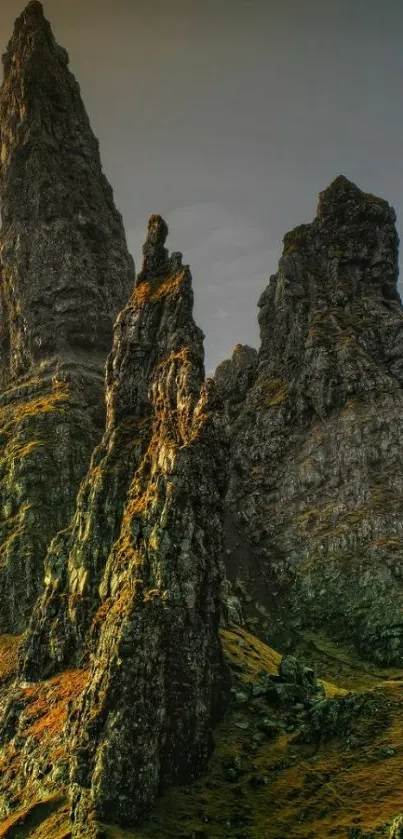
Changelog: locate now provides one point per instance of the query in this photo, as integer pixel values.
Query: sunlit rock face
(64, 274)
(133, 585)
(315, 523)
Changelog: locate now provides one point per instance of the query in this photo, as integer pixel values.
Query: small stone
(241, 698)
(259, 737)
(242, 724)
(309, 675)
(269, 727)
(386, 752)
(290, 670)
(258, 690)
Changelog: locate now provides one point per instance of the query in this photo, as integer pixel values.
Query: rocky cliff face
(65, 266)
(116, 495)
(65, 273)
(234, 378)
(133, 585)
(316, 490)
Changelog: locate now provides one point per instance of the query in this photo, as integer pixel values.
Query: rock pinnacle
(65, 267)
(65, 272)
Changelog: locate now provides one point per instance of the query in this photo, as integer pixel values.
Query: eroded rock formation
(65, 273)
(234, 378)
(316, 490)
(134, 583)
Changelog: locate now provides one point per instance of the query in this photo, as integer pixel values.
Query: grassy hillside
(262, 782)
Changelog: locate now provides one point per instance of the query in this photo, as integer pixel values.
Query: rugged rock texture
(65, 273)
(234, 378)
(65, 266)
(316, 488)
(50, 421)
(134, 583)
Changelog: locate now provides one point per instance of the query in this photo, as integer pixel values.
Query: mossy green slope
(261, 787)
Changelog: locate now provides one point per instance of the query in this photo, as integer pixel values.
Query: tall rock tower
(133, 585)
(64, 273)
(315, 523)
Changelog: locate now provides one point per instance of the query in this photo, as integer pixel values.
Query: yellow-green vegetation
(283, 788)
(8, 656)
(19, 421)
(31, 820)
(47, 434)
(14, 412)
(329, 521)
(339, 329)
(343, 665)
(270, 392)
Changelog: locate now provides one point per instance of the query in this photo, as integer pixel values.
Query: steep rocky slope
(316, 489)
(133, 585)
(122, 494)
(234, 378)
(272, 774)
(65, 273)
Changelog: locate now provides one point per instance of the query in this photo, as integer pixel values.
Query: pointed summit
(31, 22)
(33, 9)
(316, 481)
(65, 266)
(341, 192)
(155, 255)
(65, 272)
(141, 561)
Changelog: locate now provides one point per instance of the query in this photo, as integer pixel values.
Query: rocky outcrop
(234, 377)
(316, 487)
(133, 585)
(65, 273)
(65, 266)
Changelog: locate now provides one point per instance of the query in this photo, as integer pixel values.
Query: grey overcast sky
(227, 117)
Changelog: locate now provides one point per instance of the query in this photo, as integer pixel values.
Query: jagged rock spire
(156, 259)
(65, 272)
(316, 481)
(234, 377)
(136, 579)
(64, 262)
(155, 255)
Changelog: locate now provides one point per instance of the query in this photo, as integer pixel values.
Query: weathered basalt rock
(316, 487)
(338, 717)
(234, 378)
(134, 583)
(65, 265)
(65, 273)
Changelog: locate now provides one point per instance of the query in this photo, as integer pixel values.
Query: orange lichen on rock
(8, 656)
(35, 815)
(156, 288)
(48, 702)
